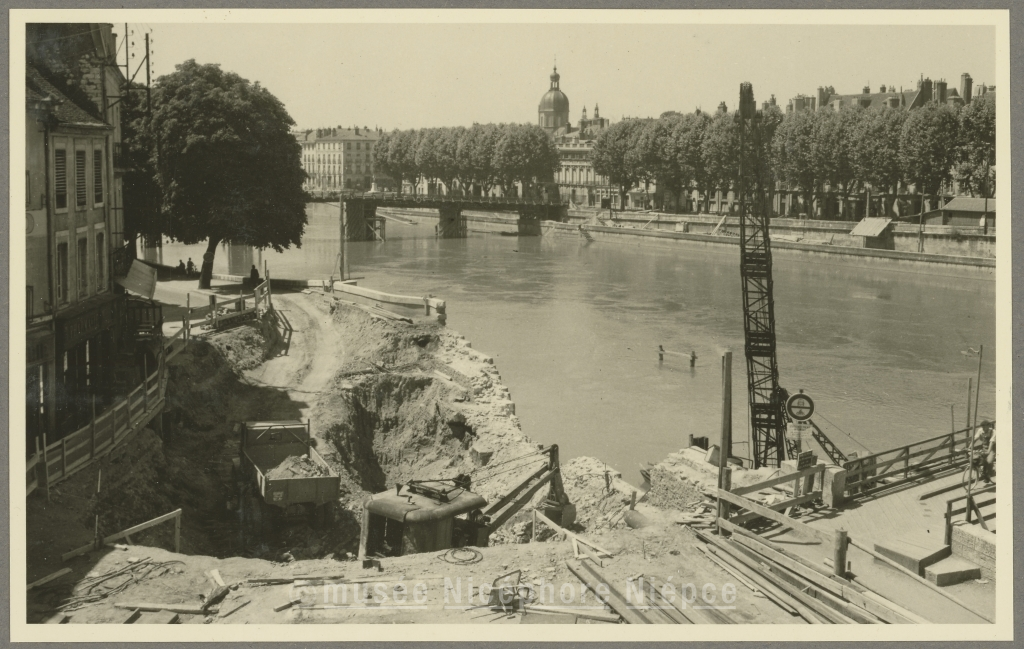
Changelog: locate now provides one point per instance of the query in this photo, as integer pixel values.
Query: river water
(574, 329)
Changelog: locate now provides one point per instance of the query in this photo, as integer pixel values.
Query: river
(574, 328)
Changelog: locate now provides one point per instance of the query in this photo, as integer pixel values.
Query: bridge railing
(445, 198)
(936, 453)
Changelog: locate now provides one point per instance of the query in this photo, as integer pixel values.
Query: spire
(555, 78)
(597, 112)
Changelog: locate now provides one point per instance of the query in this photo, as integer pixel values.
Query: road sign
(800, 407)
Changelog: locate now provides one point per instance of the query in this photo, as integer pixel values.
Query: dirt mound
(670, 490)
(297, 466)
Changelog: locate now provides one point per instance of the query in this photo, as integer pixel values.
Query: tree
(876, 150)
(720, 152)
(227, 168)
(793, 151)
(614, 155)
(976, 152)
(524, 154)
(928, 145)
(475, 155)
(688, 134)
(139, 184)
(832, 146)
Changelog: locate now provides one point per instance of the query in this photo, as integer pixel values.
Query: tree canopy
(226, 166)
(475, 159)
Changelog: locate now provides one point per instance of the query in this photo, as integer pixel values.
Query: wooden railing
(53, 462)
(737, 508)
(934, 454)
(219, 314)
(970, 509)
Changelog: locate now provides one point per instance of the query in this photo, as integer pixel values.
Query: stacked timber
(797, 585)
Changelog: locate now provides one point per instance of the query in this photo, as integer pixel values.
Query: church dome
(553, 111)
(554, 99)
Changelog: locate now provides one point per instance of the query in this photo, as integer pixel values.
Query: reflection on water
(575, 327)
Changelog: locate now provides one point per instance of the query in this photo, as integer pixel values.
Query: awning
(141, 279)
(871, 227)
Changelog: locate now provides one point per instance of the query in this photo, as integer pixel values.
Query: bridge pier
(451, 224)
(359, 221)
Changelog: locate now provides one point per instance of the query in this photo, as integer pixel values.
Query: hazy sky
(414, 75)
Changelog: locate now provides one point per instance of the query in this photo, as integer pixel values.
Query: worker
(254, 274)
(988, 449)
(190, 268)
(693, 358)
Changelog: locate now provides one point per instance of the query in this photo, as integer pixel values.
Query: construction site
(324, 453)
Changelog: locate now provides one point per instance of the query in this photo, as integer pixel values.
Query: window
(60, 178)
(101, 257)
(62, 273)
(97, 177)
(80, 179)
(83, 266)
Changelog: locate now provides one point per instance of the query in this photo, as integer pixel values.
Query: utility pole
(149, 99)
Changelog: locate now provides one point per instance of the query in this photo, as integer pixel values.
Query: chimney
(940, 91)
(867, 90)
(722, 108)
(882, 89)
(357, 130)
(926, 90)
(814, 105)
(772, 100)
(966, 86)
(823, 95)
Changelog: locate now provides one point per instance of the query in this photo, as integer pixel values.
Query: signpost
(800, 407)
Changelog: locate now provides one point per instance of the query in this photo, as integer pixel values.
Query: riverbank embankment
(950, 251)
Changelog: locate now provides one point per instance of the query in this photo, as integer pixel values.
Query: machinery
(308, 491)
(768, 417)
(435, 515)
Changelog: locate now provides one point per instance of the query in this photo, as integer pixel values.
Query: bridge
(361, 223)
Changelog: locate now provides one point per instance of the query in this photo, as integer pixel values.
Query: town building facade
(339, 159)
(80, 346)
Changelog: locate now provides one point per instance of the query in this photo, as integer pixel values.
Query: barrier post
(839, 553)
(92, 429)
(177, 533)
(145, 384)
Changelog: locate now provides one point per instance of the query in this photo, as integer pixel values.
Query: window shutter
(60, 177)
(97, 176)
(80, 178)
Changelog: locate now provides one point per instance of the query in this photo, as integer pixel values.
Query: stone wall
(976, 545)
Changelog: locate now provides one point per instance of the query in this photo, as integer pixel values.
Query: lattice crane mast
(767, 400)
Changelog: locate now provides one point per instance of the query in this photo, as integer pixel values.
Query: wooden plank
(782, 505)
(588, 615)
(780, 597)
(48, 578)
(821, 580)
(580, 539)
(789, 477)
(142, 526)
(612, 599)
(184, 609)
(795, 525)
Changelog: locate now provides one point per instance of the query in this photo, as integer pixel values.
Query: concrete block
(912, 553)
(976, 545)
(712, 455)
(952, 570)
(480, 454)
(833, 487)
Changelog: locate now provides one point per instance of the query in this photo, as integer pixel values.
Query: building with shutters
(81, 348)
(339, 159)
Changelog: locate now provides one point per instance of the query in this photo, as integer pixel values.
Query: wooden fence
(807, 485)
(930, 455)
(970, 509)
(220, 314)
(53, 462)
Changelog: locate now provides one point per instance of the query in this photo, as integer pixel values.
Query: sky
(420, 75)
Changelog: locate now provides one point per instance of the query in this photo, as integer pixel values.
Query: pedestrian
(988, 448)
(254, 274)
(180, 267)
(190, 268)
(693, 358)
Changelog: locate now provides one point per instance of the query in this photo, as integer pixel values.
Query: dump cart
(279, 468)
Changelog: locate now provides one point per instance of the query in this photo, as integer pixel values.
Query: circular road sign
(800, 407)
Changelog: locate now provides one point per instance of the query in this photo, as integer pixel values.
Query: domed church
(553, 111)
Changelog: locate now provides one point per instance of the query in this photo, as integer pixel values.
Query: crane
(767, 398)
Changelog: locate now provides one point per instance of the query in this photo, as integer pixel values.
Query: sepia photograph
(507, 317)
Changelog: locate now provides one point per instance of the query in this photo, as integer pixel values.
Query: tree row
(815, 153)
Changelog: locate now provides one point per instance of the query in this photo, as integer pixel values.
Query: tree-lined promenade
(475, 159)
(816, 153)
